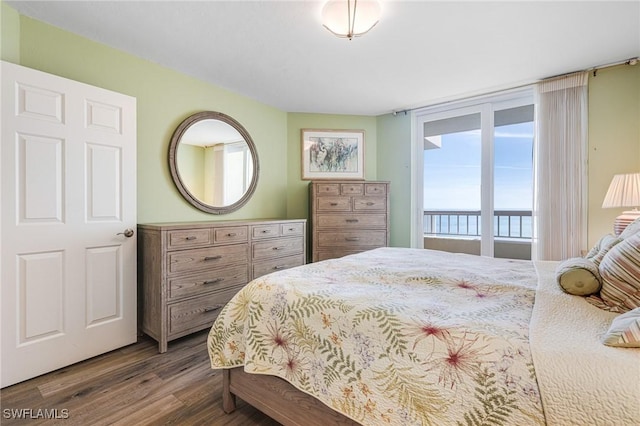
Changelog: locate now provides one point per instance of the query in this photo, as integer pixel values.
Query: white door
(68, 187)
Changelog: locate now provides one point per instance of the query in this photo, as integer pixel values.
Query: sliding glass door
(476, 183)
(453, 180)
(513, 182)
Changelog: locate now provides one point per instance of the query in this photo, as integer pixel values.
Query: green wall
(394, 165)
(614, 138)
(614, 147)
(166, 97)
(297, 197)
(191, 165)
(9, 38)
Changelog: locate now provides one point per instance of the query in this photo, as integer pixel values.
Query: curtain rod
(631, 61)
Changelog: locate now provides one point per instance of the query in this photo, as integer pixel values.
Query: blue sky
(452, 173)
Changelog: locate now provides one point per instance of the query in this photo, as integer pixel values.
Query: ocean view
(467, 223)
(453, 182)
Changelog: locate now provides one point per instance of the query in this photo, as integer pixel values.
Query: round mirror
(213, 162)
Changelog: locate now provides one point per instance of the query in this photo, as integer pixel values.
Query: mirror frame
(175, 173)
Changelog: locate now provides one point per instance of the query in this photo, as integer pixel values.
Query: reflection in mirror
(213, 162)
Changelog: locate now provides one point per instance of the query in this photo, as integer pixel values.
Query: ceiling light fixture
(350, 18)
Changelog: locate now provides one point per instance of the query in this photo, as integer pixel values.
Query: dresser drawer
(206, 258)
(333, 253)
(278, 248)
(375, 189)
(352, 238)
(266, 267)
(228, 235)
(351, 221)
(328, 189)
(192, 285)
(334, 204)
(188, 271)
(198, 313)
(181, 239)
(265, 231)
(370, 203)
(352, 188)
(291, 229)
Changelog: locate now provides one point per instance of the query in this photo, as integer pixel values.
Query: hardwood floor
(134, 385)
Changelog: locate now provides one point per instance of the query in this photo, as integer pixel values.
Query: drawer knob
(217, 280)
(190, 237)
(278, 267)
(212, 308)
(278, 248)
(231, 234)
(207, 258)
(370, 203)
(352, 239)
(333, 204)
(352, 220)
(266, 231)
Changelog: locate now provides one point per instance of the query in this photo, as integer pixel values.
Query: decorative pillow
(602, 247)
(579, 276)
(624, 331)
(620, 272)
(631, 229)
(595, 249)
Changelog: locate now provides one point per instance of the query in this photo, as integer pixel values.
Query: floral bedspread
(393, 336)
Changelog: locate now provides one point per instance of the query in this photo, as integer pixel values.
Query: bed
(407, 336)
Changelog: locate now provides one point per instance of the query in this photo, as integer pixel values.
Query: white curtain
(560, 168)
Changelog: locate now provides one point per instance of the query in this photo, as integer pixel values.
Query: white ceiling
(421, 52)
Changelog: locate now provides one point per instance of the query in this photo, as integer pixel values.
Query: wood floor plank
(103, 385)
(142, 413)
(113, 398)
(21, 395)
(91, 370)
(134, 385)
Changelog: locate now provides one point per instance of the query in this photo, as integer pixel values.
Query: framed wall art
(332, 154)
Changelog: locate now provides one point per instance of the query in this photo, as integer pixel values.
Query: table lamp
(624, 191)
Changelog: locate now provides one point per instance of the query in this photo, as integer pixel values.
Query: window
(477, 181)
(238, 170)
(228, 172)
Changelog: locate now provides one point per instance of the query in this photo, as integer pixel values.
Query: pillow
(579, 276)
(631, 229)
(620, 272)
(624, 331)
(602, 247)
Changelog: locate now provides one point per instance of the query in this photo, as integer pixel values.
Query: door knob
(127, 233)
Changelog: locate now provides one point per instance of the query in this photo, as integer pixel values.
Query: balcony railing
(506, 223)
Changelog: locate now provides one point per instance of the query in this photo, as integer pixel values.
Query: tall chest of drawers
(347, 217)
(188, 271)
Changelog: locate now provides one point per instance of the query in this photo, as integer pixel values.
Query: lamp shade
(624, 191)
(350, 18)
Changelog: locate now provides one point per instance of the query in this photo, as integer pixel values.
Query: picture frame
(332, 154)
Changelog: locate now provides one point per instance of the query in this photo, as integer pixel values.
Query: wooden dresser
(188, 271)
(347, 217)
